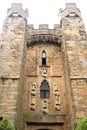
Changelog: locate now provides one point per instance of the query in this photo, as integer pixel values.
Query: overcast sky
(43, 11)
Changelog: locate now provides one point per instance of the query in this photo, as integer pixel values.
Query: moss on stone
(32, 118)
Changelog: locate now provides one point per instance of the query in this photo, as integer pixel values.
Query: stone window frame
(44, 57)
(44, 90)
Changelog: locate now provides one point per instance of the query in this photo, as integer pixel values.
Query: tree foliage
(82, 125)
(5, 124)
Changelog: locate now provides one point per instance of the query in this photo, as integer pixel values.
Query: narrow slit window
(44, 90)
(43, 58)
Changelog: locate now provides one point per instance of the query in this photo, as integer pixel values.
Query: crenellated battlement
(43, 33)
(70, 10)
(16, 10)
(44, 27)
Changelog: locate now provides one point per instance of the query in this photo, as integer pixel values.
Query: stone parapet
(43, 33)
(44, 27)
(70, 9)
(16, 10)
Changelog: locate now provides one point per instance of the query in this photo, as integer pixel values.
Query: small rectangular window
(43, 58)
(15, 14)
(72, 14)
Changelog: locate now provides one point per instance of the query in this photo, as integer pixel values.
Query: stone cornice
(48, 38)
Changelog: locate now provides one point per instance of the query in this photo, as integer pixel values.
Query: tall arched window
(44, 90)
(43, 58)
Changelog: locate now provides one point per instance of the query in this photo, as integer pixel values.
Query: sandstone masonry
(43, 72)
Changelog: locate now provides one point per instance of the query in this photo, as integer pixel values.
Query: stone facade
(40, 93)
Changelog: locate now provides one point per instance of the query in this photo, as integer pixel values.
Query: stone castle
(43, 72)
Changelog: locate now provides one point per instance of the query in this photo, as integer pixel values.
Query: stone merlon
(16, 10)
(70, 9)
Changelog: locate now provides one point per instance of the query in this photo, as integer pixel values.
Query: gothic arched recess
(44, 98)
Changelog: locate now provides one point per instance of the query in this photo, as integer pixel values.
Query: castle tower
(75, 51)
(43, 71)
(11, 54)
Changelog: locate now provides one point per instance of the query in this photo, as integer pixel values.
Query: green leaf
(82, 125)
(5, 124)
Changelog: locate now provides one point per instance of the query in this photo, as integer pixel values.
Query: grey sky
(43, 11)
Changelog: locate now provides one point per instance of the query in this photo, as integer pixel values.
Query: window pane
(43, 58)
(43, 61)
(47, 94)
(43, 54)
(44, 90)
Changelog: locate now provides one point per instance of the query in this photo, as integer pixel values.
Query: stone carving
(32, 105)
(33, 89)
(44, 73)
(45, 37)
(57, 104)
(45, 106)
(33, 96)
